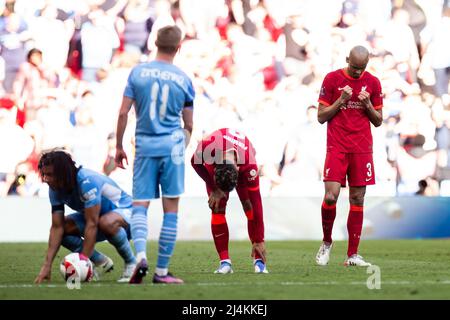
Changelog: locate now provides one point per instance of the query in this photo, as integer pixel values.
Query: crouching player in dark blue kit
(103, 213)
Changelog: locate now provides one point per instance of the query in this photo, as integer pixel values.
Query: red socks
(220, 234)
(328, 216)
(354, 227)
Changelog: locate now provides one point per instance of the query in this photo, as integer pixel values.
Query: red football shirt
(349, 130)
(209, 151)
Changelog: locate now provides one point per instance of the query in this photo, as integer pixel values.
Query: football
(76, 266)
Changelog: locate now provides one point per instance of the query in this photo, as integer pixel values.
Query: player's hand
(364, 97)
(120, 156)
(214, 199)
(44, 274)
(260, 249)
(346, 93)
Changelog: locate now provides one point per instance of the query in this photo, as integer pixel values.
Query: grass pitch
(410, 269)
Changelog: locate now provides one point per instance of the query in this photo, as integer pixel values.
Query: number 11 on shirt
(154, 98)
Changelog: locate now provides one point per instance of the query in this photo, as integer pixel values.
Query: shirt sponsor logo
(90, 195)
(352, 105)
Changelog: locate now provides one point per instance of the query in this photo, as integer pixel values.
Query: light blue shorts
(149, 173)
(80, 222)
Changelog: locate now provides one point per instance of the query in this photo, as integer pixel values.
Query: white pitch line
(288, 283)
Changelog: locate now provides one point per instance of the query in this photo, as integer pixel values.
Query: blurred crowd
(257, 66)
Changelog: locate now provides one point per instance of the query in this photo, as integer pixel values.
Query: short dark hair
(226, 176)
(168, 39)
(64, 168)
(33, 51)
(423, 183)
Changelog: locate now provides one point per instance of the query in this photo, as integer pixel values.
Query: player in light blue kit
(103, 213)
(162, 95)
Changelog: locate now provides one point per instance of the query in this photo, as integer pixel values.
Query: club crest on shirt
(253, 174)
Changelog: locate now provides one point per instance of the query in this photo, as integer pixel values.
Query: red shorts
(356, 167)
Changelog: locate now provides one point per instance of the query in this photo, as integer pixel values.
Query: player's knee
(70, 228)
(357, 199)
(330, 198)
(108, 226)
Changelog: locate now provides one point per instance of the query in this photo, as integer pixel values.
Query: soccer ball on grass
(76, 266)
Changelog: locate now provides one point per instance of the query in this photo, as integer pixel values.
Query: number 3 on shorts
(369, 169)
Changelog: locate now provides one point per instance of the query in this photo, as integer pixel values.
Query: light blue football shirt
(160, 91)
(92, 188)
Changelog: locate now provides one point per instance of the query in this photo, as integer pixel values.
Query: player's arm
(188, 111)
(197, 164)
(373, 104)
(327, 112)
(54, 242)
(250, 196)
(216, 193)
(188, 120)
(375, 115)
(255, 200)
(91, 215)
(121, 126)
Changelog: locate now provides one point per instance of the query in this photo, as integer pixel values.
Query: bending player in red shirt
(226, 160)
(350, 100)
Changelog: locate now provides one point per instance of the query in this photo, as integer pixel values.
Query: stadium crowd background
(257, 66)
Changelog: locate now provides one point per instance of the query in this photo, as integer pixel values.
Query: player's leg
(139, 234)
(328, 210)
(74, 225)
(145, 188)
(221, 235)
(139, 228)
(334, 178)
(361, 174)
(116, 229)
(172, 187)
(166, 242)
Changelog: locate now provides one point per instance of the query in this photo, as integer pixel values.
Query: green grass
(410, 269)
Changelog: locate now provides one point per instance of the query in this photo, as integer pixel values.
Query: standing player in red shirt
(226, 160)
(350, 100)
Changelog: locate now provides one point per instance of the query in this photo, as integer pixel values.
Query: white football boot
(103, 267)
(260, 266)
(323, 255)
(224, 268)
(356, 260)
(127, 272)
